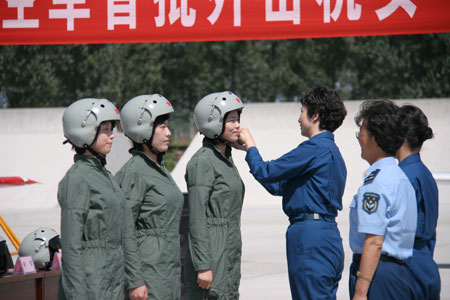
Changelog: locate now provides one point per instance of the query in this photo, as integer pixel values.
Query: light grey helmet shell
(209, 113)
(36, 245)
(82, 118)
(138, 115)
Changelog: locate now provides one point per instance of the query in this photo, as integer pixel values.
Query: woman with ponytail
(427, 282)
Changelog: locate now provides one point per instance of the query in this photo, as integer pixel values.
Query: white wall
(31, 146)
(276, 131)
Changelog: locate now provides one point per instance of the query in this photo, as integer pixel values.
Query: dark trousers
(315, 259)
(425, 272)
(391, 281)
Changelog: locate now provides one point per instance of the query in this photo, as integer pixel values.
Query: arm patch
(370, 202)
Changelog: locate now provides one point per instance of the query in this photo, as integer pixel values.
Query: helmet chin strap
(159, 155)
(226, 143)
(223, 141)
(99, 156)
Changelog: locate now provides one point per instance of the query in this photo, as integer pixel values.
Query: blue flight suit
(311, 178)
(424, 269)
(385, 205)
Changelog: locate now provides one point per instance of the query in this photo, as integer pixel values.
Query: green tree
(405, 66)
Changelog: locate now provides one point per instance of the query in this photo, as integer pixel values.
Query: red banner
(139, 21)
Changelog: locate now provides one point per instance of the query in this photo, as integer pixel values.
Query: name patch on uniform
(371, 176)
(370, 202)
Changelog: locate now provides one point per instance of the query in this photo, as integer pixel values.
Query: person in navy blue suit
(311, 179)
(427, 282)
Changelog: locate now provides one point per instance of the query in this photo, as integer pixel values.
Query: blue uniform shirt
(311, 178)
(426, 196)
(385, 205)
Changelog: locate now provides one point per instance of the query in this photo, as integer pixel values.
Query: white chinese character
(218, 9)
(389, 9)
(70, 13)
(127, 11)
(187, 20)
(160, 19)
(326, 10)
(21, 22)
(283, 14)
(353, 10)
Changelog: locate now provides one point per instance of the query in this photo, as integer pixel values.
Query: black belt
(313, 216)
(383, 257)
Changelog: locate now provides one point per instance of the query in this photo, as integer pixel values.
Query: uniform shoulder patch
(370, 202)
(371, 176)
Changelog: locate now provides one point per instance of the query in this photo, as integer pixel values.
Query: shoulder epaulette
(371, 176)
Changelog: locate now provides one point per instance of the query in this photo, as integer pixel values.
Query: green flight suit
(96, 234)
(156, 203)
(216, 194)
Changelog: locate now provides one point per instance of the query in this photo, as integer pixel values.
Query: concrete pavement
(264, 268)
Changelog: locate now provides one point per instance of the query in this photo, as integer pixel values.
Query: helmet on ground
(209, 113)
(83, 117)
(41, 245)
(139, 114)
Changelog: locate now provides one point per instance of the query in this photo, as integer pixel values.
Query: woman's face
(104, 139)
(232, 126)
(161, 137)
(306, 123)
(367, 143)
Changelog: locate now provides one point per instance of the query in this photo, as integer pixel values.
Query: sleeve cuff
(202, 267)
(136, 283)
(371, 230)
(251, 152)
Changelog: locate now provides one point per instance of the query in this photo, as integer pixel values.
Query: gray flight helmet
(139, 114)
(82, 118)
(37, 245)
(209, 113)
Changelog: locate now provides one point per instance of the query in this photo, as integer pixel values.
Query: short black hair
(159, 120)
(382, 121)
(138, 146)
(78, 150)
(328, 105)
(415, 126)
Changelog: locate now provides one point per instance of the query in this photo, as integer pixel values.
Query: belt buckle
(316, 216)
